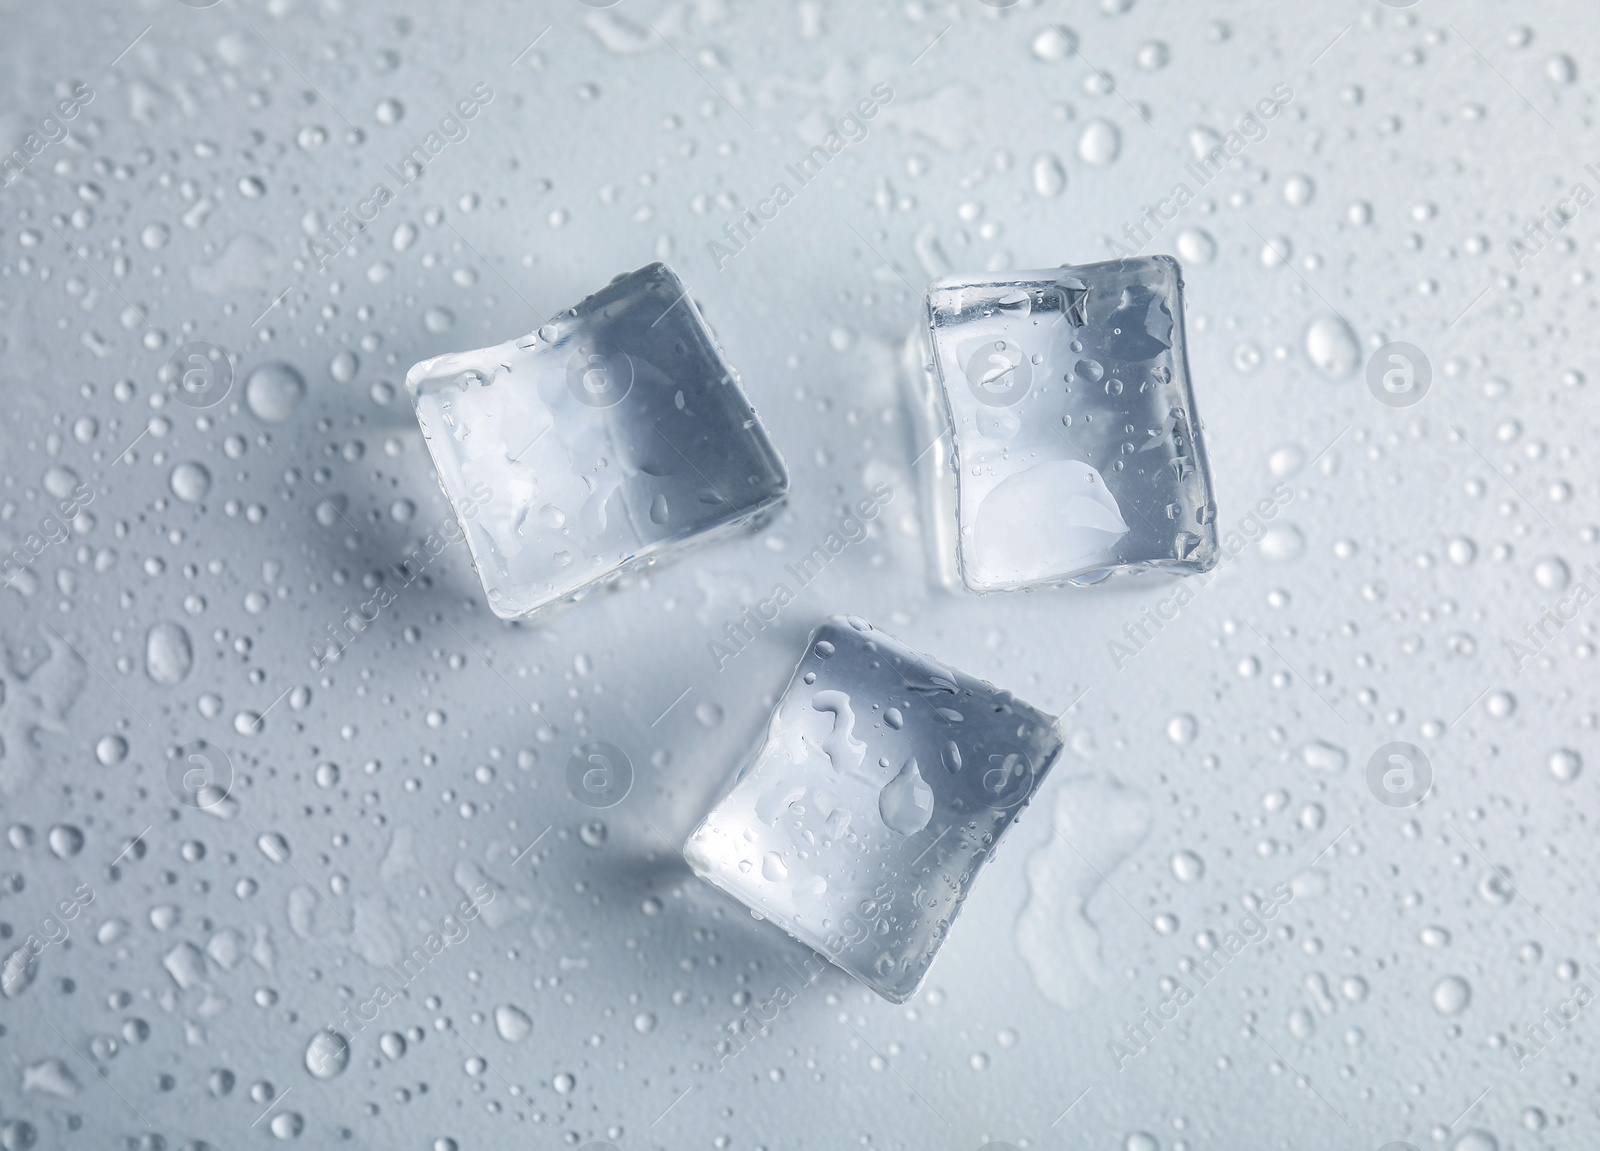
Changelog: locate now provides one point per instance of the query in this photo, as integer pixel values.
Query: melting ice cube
(879, 790)
(604, 441)
(1076, 451)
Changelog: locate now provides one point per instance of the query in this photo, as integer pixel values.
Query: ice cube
(1076, 448)
(600, 443)
(880, 789)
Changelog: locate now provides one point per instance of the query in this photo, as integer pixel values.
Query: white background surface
(1377, 608)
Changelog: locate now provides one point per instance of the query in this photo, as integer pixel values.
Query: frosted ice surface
(881, 787)
(1077, 450)
(608, 438)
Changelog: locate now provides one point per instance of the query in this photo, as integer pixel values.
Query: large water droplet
(1049, 177)
(65, 840)
(512, 1023)
(1332, 347)
(1195, 246)
(1055, 42)
(1100, 142)
(1282, 544)
(327, 1054)
(1565, 764)
(1552, 573)
(906, 801)
(1451, 995)
(168, 654)
(274, 846)
(273, 391)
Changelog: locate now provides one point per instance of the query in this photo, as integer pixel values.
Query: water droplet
(1496, 887)
(1153, 55)
(1560, 69)
(1565, 764)
(1195, 246)
(1187, 867)
(65, 840)
(1298, 191)
(773, 869)
(1552, 573)
(512, 1023)
(1049, 177)
(190, 482)
(1182, 728)
(111, 749)
(274, 846)
(1324, 756)
(273, 391)
(1100, 142)
(168, 654)
(707, 714)
(1451, 995)
(343, 366)
(327, 1054)
(906, 801)
(1282, 544)
(1055, 42)
(1332, 347)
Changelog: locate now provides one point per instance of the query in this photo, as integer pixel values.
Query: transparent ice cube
(882, 785)
(1076, 449)
(608, 438)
